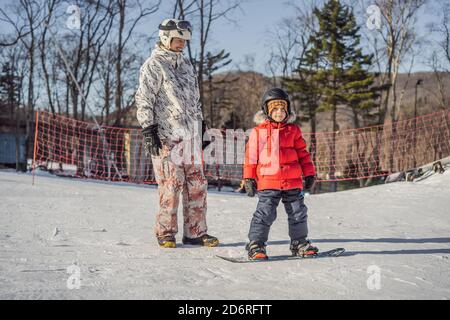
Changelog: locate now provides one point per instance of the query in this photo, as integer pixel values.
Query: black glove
(152, 142)
(250, 187)
(309, 183)
(204, 143)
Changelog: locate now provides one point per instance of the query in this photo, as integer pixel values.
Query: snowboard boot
(205, 240)
(303, 248)
(167, 242)
(256, 251)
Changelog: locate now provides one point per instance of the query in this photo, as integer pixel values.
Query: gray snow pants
(266, 213)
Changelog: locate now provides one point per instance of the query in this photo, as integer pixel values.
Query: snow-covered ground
(71, 239)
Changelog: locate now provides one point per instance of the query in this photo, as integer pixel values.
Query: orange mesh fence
(85, 150)
(116, 154)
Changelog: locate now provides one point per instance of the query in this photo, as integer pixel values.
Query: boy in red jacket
(275, 160)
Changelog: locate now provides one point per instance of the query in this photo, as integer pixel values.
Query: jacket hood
(260, 117)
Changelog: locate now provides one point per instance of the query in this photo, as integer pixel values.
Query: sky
(250, 34)
(246, 36)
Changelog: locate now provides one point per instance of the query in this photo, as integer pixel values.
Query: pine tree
(335, 69)
(304, 88)
(359, 91)
(342, 67)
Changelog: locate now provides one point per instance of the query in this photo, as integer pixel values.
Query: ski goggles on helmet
(176, 25)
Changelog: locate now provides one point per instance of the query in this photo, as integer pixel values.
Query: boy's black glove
(250, 187)
(309, 183)
(204, 143)
(152, 142)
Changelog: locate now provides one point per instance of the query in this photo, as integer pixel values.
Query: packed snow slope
(72, 239)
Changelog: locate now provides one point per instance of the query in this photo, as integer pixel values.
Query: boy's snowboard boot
(256, 251)
(167, 242)
(303, 248)
(205, 240)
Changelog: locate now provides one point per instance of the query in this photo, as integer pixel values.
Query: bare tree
(439, 60)
(286, 42)
(395, 38)
(443, 28)
(203, 14)
(105, 70)
(408, 77)
(21, 29)
(296, 70)
(126, 28)
(82, 49)
(28, 14)
(11, 79)
(50, 8)
(441, 73)
(272, 67)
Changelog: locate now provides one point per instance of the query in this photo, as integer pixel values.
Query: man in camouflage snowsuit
(168, 109)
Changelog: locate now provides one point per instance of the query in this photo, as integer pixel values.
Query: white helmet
(173, 28)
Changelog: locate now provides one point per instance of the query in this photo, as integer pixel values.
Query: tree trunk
(333, 151)
(202, 53)
(107, 95)
(211, 101)
(30, 102)
(67, 94)
(118, 95)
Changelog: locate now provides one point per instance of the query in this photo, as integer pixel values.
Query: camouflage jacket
(168, 95)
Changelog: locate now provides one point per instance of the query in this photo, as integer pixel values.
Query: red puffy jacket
(276, 156)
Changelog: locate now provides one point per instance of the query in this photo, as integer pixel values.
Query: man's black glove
(204, 143)
(309, 183)
(152, 142)
(250, 187)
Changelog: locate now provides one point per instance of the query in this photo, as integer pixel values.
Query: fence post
(35, 144)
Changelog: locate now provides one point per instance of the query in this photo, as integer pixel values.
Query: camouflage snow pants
(174, 179)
